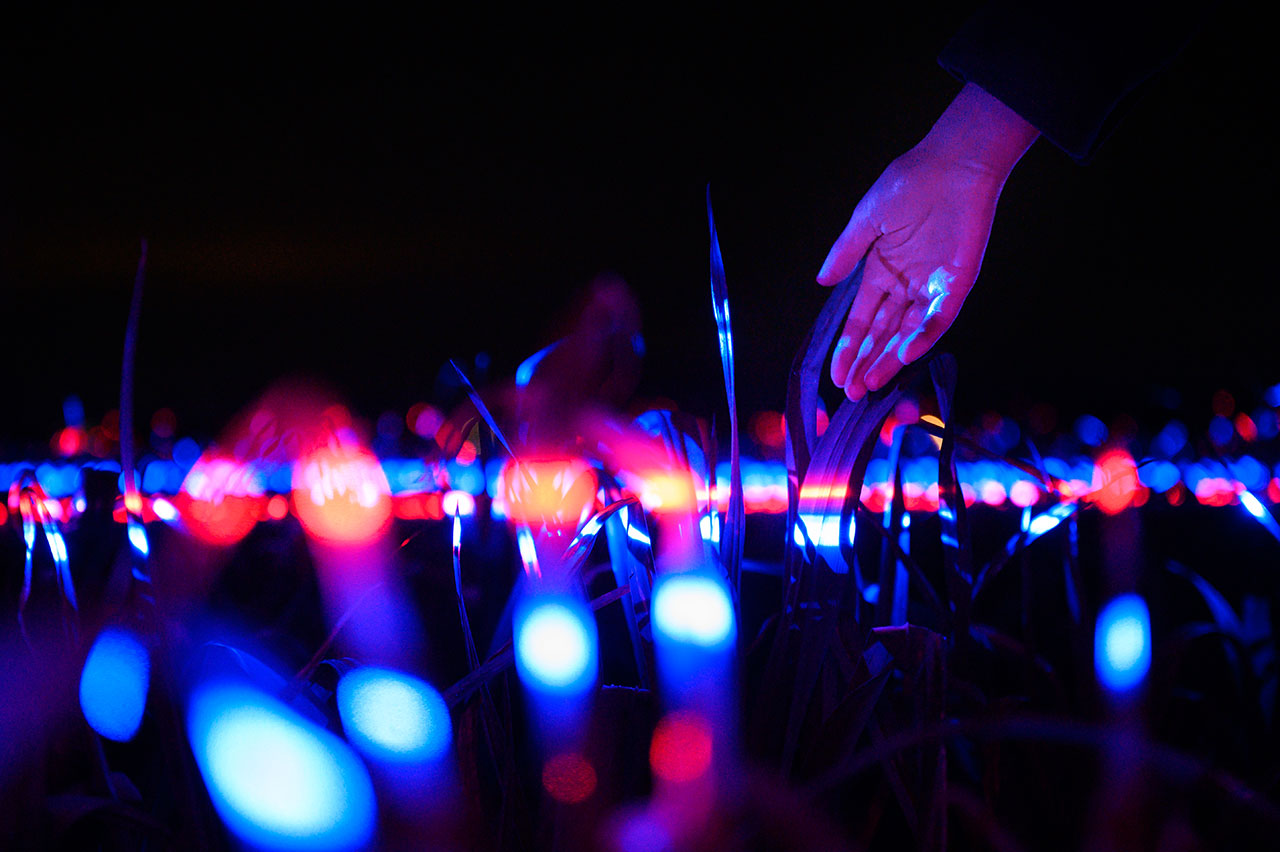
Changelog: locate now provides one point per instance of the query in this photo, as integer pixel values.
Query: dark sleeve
(1070, 71)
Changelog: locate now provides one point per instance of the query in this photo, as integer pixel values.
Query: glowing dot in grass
(278, 780)
(693, 609)
(341, 495)
(1024, 493)
(871, 593)
(681, 748)
(569, 777)
(458, 503)
(393, 717)
(138, 538)
(556, 646)
(113, 684)
(1252, 506)
(1122, 643)
(164, 510)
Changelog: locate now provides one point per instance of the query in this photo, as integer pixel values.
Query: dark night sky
(361, 197)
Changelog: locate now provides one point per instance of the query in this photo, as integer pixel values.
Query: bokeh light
(569, 777)
(393, 717)
(681, 748)
(555, 644)
(341, 494)
(693, 609)
(1122, 643)
(277, 780)
(113, 684)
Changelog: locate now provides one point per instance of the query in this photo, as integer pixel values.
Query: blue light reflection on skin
(1122, 643)
(393, 717)
(113, 684)
(555, 644)
(278, 780)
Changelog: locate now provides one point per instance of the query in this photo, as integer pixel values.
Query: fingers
(876, 315)
(850, 247)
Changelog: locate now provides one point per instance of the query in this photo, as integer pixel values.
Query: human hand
(923, 228)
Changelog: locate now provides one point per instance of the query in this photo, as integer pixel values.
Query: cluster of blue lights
(555, 645)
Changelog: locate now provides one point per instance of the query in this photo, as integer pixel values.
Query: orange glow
(1176, 494)
(1115, 482)
(555, 492)
(219, 502)
(569, 777)
(681, 747)
(341, 495)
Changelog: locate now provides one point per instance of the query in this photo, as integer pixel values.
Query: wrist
(979, 132)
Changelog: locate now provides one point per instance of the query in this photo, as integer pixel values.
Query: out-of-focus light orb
(341, 495)
(569, 777)
(556, 492)
(458, 503)
(393, 717)
(1115, 482)
(220, 501)
(681, 748)
(278, 780)
(694, 609)
(113, 684)
(164, 510)
(1122, 643)
(556, 646)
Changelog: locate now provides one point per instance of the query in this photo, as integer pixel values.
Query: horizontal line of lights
(430, 491)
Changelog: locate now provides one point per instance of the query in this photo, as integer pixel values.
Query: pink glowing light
(341, 494)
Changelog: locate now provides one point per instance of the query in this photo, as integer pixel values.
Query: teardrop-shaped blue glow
(393, 717)
(278, 780)
(113, 684)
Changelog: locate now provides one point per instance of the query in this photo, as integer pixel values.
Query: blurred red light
(218, 504)
(569, 777)
(681, 747)
(1115, 482)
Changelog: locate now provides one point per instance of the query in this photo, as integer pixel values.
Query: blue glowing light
(1221, 430)
(871, 594)
(1122, 643)
(1091, 430)
(113, 684)
(693, 609)
(823, 530)
(1252, 506)
(524, 373)
(138, 538)
(164, 510)
(277, 780)
(556, 645)
(393, 717)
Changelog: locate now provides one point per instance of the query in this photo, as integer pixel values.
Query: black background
(358, 197)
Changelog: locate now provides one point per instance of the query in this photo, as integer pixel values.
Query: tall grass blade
(735, 521)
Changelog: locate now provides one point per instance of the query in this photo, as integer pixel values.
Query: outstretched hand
(923, 228)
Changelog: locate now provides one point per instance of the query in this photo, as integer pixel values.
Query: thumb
(850, 247)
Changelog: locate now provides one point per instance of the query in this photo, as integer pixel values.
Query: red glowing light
(4, 515)
(1176, 494)
(768, 429)
(1115, 482)
(1246, 427)
(277, 507)
(424, 420)
(555, 492)
(341, 494)
(467, 454)
(1224, 404)
(164, 422)
(220, 500)
(822, 421)
(71, 440)
(681, 747)
(1273, 490)
(569, 777)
